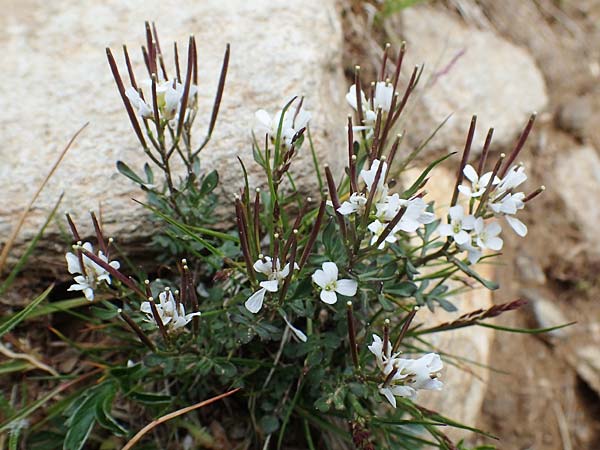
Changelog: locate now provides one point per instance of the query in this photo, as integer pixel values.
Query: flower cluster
(495, 197)
(412, 212)
(91, 275)
(169, 95)
(383, 93)
(294, 119)
(171, 313)
(274, 274)
(405, 377)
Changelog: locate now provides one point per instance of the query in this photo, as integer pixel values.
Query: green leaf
(149, 173)
(14, 366)
(419, 181)
(269, 424)
(124, 169)
(404, 289)
(81, 422)
(525, 330)
(150, 398)
(209, 183)
(467, 270)
(17, 318)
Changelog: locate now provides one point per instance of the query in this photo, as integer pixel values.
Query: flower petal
(255, 301)
(519, 227)
(346, 287)
(297, 332)
(320, 278)
(271, 285)
(387, 393)
(471, 173)
(328, 297)
(331, 270)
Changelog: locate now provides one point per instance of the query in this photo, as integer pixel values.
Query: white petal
(270, 285)
(468, 222)
(263, 117)
(328, 297)
(465, 190)
(519, 227)
(266, 267)
(462, 237)
(479, 225)
(299, 334)
(404, 391)
(494, 243)
(346, 287)
(73, 263)
(387, 393)
(471, 173)
(320, 278)
(347, 208)
(255, 301)
(331, 270)
(445, 229)
(77, 287)
(89, 294)
(456, 212)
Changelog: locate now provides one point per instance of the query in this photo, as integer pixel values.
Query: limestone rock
(547, 314)
(579, 172)
(54, 56)
(467, 71)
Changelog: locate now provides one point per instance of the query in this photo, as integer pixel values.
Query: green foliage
(303, 364)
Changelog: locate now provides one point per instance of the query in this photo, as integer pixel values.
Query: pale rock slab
(467, 71)
(579, 175)
(58, 78)
(465, 384)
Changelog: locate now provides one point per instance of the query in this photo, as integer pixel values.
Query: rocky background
(500, 60)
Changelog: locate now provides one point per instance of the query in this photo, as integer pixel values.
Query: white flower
(297, 332)
(369, 116)
(393, 391)
(514, 177)
(474, 254)
(368, 176)
(423, 373)
(478, 184)
(169, 95)
(384, 92)
(355, 203)
(271, 284)
(487, 236)
(327, 280)
(351, 98)
(507, 205)
(293, 121)
(94, 274)
(172, 315)
(376, 227)
(385, 360)
(410, 375)
(458, 226)
(138, 103)
(415, 215)
(389, 207)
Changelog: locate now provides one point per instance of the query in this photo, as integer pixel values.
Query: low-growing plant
(302, 312)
